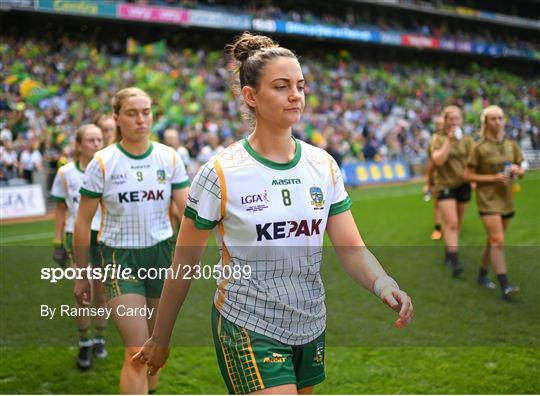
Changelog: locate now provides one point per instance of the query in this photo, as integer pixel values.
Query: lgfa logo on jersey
(255, 202)
(317, 198)
(161, 178)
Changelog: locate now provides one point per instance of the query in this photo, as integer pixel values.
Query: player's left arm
(364, 268)
(179, 199)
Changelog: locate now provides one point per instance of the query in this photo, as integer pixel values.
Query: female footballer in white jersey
(135, 181)
(65, 191)
(270, 197)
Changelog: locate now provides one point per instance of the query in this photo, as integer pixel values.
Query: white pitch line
(30, 237)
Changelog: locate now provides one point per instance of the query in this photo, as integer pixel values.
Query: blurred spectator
(30, 161)
(8, 160)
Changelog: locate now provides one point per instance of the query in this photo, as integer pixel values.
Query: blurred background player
(108, 126)
(494, 163)
(135, 180)
(65, 191)
(278, 312)
(449, 152)
(429, 188)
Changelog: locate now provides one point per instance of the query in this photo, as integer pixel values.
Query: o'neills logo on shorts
(141, 196)
(276, 358)
(287, 229)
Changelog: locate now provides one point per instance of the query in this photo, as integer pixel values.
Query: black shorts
(460, 194)
(504, 216)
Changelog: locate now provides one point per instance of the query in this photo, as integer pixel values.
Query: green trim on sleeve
(200, 223)
(88, 193)
(177, 186)
(340, 207)
(57, 199)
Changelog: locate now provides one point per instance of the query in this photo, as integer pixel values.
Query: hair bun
(246, 44)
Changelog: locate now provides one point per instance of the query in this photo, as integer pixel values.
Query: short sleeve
(518, 154)
(180, 177)
(94, 177)
(437, 142)
(430, 146)
(474, 157)
(340, 199)
(204, 199)
(58, 190)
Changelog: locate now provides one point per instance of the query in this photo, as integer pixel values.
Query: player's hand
(515, 170)
(451, 133)
(401, 303)
(82, 291)
(153, 355)
(501, 178)
(426, 188)
(60, 256)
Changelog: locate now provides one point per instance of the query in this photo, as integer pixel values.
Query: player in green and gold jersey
(449, 152)
(494, 163)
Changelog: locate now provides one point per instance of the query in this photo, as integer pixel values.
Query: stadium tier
(362, 105)
(401, 95)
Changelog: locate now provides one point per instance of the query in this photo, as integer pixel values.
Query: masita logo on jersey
(287, 229)
(141, 196)
(317, 198)
(255, 202)
(285, 182)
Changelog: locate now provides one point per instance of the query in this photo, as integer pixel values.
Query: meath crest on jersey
(317, 198)
(161, 178)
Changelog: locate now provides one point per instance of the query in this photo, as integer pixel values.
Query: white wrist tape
(383, 282)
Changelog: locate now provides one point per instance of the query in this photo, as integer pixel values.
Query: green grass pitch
(465, 339)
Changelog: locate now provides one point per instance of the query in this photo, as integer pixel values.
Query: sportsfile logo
(141, 196)
(287, 229)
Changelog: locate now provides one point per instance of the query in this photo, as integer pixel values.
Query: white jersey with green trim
(135, 193)
(270, 217)
(65, 188)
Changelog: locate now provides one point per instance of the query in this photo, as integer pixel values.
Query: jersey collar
(271, 164)
(137, 157)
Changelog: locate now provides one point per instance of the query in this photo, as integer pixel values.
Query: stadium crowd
(358, 110)
(380, 18)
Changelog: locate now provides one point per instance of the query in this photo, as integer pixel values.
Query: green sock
(84, 334)
(99, 332)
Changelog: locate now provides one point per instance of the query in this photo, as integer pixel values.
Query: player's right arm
(202, 214)
(81, 245)
(58, 194)
(441, 152)
(471, 174)
(91, 192)
(189, 249)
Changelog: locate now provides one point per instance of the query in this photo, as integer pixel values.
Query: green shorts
(250, 361)
(94, 257)
(144, 263)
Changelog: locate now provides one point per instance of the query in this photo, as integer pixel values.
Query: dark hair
(252, 53)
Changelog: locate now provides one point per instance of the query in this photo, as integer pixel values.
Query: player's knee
(452, 224)
(100, 300)
(496, 240)
(135, 365)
